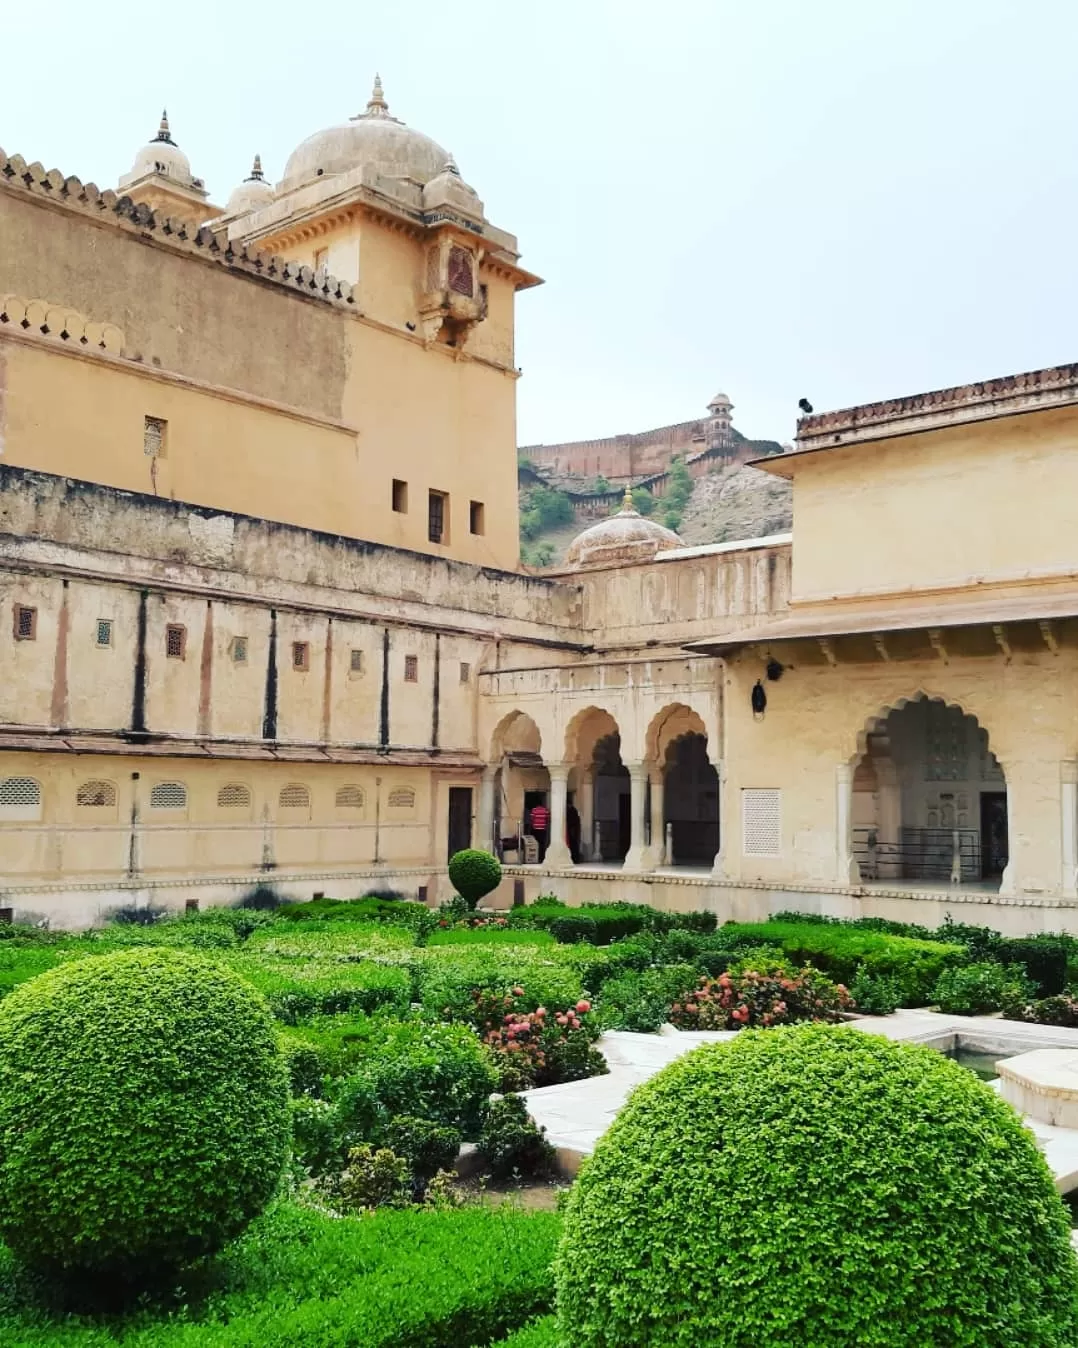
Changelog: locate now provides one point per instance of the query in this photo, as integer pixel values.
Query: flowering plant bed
(760, 998)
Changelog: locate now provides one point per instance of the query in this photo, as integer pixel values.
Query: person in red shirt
(538, 826)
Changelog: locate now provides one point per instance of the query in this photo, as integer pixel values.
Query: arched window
(402, 798)
(294, 796)
(96, 795)
(168, 796)
(234, 796)
(20, 798)
(349, 798)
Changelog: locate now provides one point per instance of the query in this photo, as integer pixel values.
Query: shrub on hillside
(977, 989)
(474, 874)
(816, 1185)
(143, 1111)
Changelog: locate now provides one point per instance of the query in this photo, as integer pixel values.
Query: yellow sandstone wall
(986, 501)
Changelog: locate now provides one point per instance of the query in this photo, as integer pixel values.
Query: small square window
(154, 433)
(475, 518)
(301, 655)
(400, 496)
(355, 662)
(465, 672)
(175, 641)
(239, 650)
(437, 530)
(25, 626)
(104, 631)
(411, 669)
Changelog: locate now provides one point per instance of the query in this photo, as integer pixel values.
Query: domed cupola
(161, 176)
(448, 195)
(625, 537)
(373, 140)
(252, 194)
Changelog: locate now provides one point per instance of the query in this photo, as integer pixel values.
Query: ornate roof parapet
(1053, 387)
(182, 236)
(60, 322)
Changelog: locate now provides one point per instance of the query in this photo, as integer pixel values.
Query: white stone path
(577, 1114)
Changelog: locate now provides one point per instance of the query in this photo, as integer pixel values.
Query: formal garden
(300, 1124)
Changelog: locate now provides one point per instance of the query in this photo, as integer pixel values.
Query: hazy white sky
(844, 199)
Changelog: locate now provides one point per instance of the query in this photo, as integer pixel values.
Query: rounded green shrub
(816, 1185)
(143, 1112)
(474, 874)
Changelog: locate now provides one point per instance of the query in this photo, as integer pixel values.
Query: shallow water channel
(977, 1061)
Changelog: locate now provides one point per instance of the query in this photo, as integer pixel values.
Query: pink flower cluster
(760, 999)
(531, 1039)
(474, 923)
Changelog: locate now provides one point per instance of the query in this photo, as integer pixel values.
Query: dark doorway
(460, 819)
(995, 848)
(541, 836)
(691, 802)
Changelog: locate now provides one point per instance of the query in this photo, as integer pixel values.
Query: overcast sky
(839, 199)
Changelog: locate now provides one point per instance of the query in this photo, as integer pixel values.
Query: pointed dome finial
(627, 502)
(256, 175)
(377, 105)
(163, 132)
(451, 167)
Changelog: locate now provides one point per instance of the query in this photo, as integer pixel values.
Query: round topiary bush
(143, 1112)
(474, 874)
(816, 1185)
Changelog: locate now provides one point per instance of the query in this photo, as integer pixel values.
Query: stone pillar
(1068, 804)
(718, 867)
(557, 853)
(658, 822)
(585, 804)
(486, 807)
(846, 869)
(639, 856)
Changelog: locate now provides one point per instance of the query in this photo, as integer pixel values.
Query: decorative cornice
(1053, 387)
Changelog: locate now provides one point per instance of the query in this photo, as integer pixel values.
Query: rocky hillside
(740, 502)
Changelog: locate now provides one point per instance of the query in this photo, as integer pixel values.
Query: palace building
(263, 623)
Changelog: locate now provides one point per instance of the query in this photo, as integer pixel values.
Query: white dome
(386, 144)
(720, 400)
(162, 155)
(625, 537)
(252, 194)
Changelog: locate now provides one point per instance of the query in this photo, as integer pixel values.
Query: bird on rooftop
(805, 406)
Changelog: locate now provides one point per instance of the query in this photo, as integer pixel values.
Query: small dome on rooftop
(162, 155)
(720, 400)
(373, 138)
(253, 193)
(625, 537)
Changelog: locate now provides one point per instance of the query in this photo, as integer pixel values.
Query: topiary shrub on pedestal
(143, 1112)
(821, 1186)
(474, 874)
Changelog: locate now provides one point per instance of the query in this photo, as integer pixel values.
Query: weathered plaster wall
(938, 509)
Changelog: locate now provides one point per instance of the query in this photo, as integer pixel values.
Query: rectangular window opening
(154, 437)
(175, 641)
(465, 672)
(437, 524)
(355, 662)
(239, 650)
(411, 669)
(400, 496)
(301, 655)
(475, 518)
(104, 631)
(25, 623)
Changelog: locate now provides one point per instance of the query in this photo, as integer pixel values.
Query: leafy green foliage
(601, 923)
(643, 500)
(640, 1000)
(976, 989)
(842, 950)
(542, 1333)
(816, 1185)
(427, 1147)
(412, 1278)
(372, 1179)
(763, 994)
(474, 874)
(511, 1144)
(143, 1111)
(298, 988)
(544, 508)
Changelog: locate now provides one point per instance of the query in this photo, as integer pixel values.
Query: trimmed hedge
(474, 874)
(395, 1279)
(601, 923)
(297, 989)
(842, 951)
(539, 1334)
(816, 1185)
(143, 1112)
